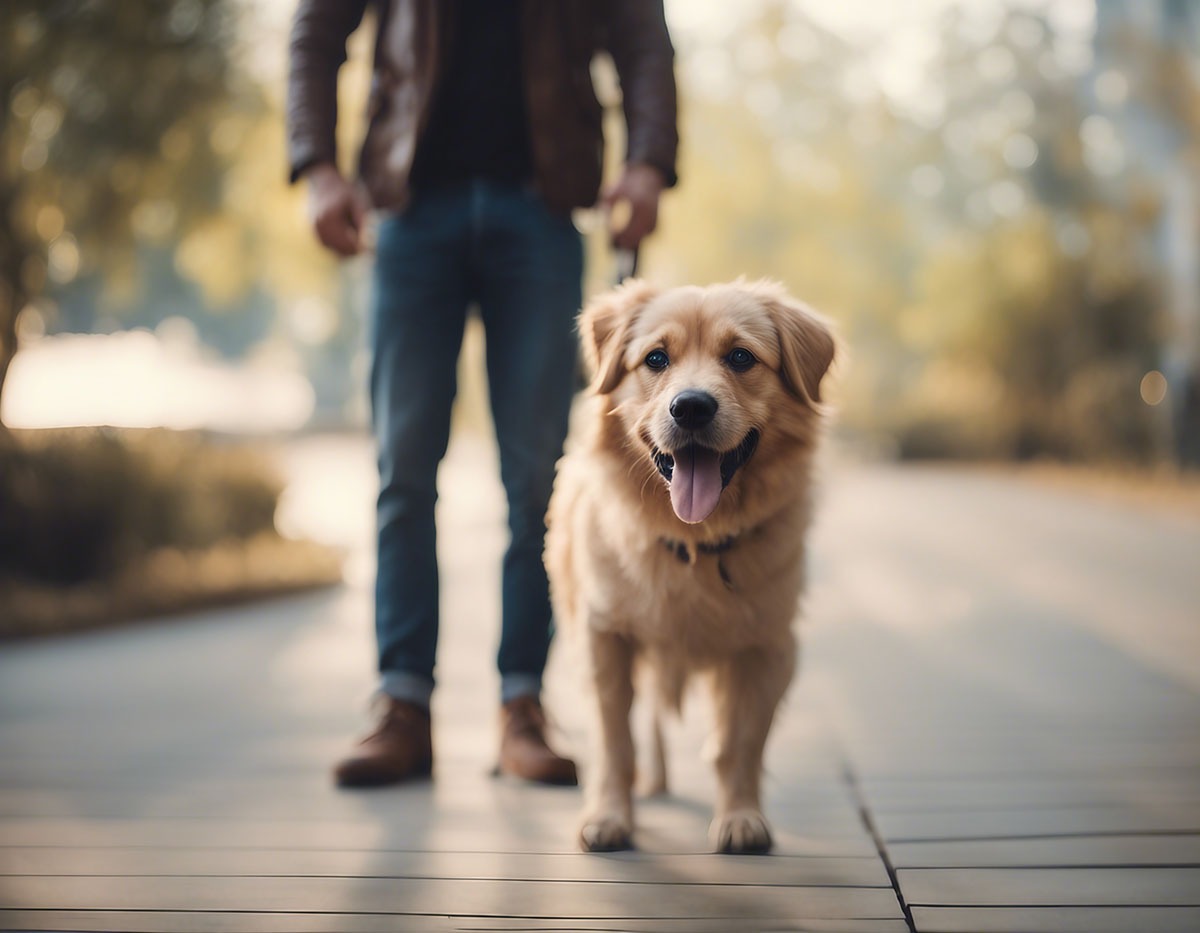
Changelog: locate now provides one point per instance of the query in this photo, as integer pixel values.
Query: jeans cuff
(519, 685)
(410, 688)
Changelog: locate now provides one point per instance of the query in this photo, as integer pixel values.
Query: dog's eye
(740, 359)
(657, 359)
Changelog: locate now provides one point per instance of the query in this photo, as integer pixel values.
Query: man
(484, 133)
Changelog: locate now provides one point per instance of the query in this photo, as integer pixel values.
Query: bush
(81, 504)
(99, 526)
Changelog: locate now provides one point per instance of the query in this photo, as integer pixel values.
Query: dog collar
(684, 553)
(716, 548)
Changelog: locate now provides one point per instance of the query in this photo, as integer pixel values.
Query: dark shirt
(478, 126)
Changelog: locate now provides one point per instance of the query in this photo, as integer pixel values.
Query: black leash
(627, 264)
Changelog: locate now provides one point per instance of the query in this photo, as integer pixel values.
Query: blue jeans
(500, 248)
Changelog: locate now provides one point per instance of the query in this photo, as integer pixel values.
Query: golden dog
(677, 524)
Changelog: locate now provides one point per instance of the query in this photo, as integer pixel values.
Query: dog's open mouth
(696, 475)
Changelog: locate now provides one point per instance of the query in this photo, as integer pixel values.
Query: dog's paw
(741, 832)
(605, 832)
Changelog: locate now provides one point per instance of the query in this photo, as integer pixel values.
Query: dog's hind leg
(655, 782)
(660, 693)
(747, 690)
(608, 817)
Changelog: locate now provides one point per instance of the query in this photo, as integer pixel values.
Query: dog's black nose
(693, 409)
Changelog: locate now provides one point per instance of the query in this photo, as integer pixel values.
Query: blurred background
(996, 202)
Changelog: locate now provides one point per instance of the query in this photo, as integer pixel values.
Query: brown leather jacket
(559, 40)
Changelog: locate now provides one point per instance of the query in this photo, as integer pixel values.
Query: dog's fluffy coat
(683, 587)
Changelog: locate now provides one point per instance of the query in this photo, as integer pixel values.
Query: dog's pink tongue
(695, 483)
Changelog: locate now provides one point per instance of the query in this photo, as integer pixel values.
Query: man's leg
(531, 263)
(418, 310)
(418, 313)
(530, 295)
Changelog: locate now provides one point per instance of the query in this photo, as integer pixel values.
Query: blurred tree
(783, 174)
(1144, 88)
(978, 246)
(109, 136)
(1034, 293)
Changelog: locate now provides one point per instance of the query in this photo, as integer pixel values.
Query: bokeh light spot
(1154, 387)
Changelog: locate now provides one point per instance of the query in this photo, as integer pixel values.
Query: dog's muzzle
(697, 475)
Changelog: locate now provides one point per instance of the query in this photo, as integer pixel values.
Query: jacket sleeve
(316, 51)
(641, 49)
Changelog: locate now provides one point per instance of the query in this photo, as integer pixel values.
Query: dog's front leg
(608, 817)
(748, 688)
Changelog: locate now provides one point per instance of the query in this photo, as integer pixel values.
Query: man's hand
(638, 190)
(336, 209)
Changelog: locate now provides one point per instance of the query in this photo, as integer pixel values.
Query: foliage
(983, 254)
(114, 126)
(84, 503)
(100, 526)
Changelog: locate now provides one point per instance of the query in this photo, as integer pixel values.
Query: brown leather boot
(400, 748)
(523, 749)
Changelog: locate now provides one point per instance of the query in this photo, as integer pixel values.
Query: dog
(677, 523)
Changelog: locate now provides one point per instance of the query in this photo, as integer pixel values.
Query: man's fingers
(338, 233)
(339, 213)
(632, 204)
(642, 220)
(340, 223)
(330, 235)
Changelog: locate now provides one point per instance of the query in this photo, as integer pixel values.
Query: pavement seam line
(864, 813)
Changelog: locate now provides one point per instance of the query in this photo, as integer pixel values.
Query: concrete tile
(1000, 824)
(1061, 851)
(854, 871)
(285, 922)
(458, 897)
(550, 829)
(1013, 792)
(1025, 887)
(1057, 919)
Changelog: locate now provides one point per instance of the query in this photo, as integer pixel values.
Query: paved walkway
(996, 728)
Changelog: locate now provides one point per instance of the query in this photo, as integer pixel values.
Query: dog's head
(707, 379)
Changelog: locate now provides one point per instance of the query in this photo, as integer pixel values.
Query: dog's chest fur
(671, 588)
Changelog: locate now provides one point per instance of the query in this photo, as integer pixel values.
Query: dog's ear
(604, 326)
(806, 343)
